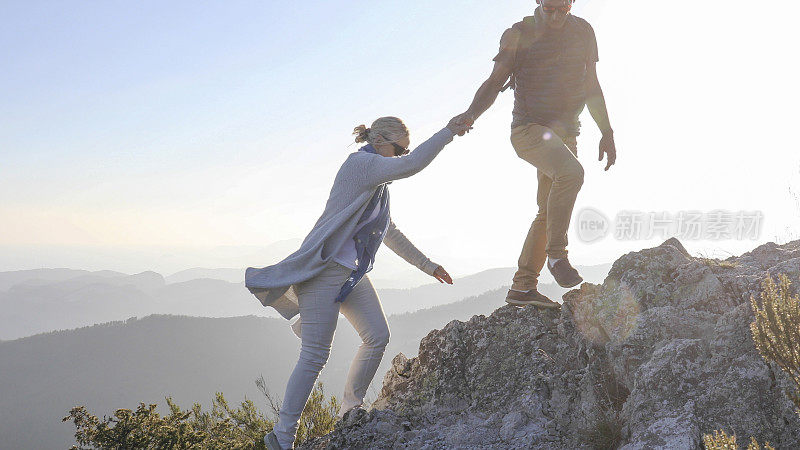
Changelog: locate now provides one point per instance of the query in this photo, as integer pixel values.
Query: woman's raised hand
(441, 274)
(461, 124)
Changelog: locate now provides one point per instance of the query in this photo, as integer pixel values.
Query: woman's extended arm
(382, 169)
(400, 244)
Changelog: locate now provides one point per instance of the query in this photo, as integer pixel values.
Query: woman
(326, 275)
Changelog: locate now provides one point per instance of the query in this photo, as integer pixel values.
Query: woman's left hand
(442, 275)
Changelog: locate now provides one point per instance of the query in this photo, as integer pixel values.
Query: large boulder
(653, 358)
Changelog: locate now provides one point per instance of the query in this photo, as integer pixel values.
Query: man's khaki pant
(560, 176)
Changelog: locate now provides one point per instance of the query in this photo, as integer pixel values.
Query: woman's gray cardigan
(359, 176)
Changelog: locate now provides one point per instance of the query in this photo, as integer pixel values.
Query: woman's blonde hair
(391, 128)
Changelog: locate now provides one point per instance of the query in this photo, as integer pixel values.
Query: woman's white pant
(319, 314)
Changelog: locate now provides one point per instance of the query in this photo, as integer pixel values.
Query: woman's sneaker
(271, 441)
(531, 297)
(354, 415)
(566, 276)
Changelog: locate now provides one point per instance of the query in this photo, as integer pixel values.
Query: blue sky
(205, 124)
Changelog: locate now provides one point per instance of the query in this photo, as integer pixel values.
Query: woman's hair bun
(390, 128)
(361, 133)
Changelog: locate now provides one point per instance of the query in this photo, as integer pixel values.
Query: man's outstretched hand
(461, 124)
(608, 147)
(442, 275)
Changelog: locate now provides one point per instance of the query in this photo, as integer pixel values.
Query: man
(550, 58)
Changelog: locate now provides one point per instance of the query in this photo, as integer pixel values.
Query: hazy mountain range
(397, 301)
(46, 302)
(37, 301)
(391, 271)
(134, 259)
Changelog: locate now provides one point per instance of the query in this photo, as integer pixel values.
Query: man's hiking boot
(532, 297)
(566, 276)
(271, 442)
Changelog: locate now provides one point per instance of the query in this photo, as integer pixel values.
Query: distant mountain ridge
(37, 305)
(196, 273)
(398, 301)
(8, 279)
(44, 300)
(162, 259)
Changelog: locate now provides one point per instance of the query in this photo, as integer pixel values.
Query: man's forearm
(596, 103)
(484, 98)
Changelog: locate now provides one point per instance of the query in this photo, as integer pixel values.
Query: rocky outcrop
(657, 355)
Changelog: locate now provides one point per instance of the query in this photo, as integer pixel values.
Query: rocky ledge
(655, 357)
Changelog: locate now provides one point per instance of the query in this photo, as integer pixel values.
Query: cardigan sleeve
(400, 244)
(382, 170)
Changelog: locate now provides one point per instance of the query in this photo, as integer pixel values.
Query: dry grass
(776, 329)
(722, 441)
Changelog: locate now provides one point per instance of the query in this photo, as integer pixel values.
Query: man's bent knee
(579, 175)
(572, 172)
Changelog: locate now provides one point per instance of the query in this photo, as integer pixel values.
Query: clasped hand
(461, 124)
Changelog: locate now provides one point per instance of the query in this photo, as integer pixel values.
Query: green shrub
(221, 428)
